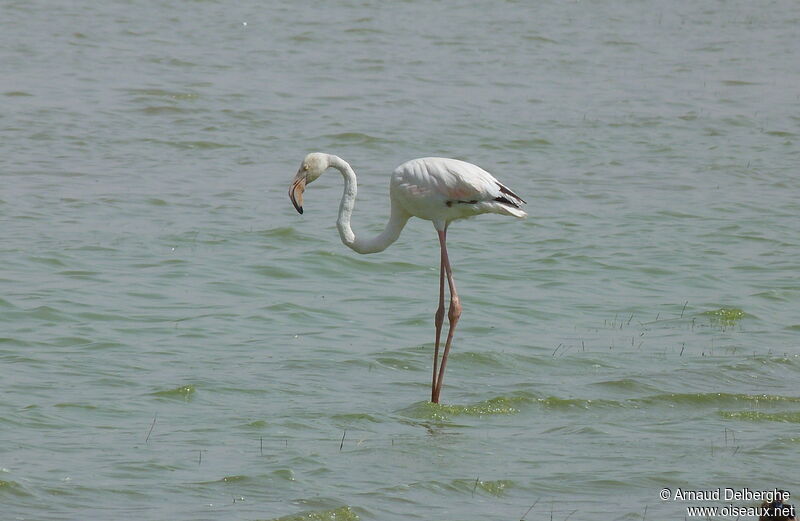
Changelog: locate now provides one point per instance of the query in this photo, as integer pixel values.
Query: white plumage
(438, 189)
(441, 190)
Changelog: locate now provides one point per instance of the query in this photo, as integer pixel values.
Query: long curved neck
(397, 219)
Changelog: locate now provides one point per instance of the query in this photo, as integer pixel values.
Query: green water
(176, 342)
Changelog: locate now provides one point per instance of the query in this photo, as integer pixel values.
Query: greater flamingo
(437, 189)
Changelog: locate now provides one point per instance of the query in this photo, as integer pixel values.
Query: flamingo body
(442, 190)
(437, 189)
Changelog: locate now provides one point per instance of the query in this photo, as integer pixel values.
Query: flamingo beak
(296, 192)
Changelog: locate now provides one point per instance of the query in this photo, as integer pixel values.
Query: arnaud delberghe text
(730, 494)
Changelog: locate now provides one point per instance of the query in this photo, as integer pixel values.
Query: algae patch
(726, 316)
(337, 514)
(12, 488)
(435, 411)
(184, 392)
(703, 399)
(552, 402)
(233, 479)
(785, 417)
(495, 488)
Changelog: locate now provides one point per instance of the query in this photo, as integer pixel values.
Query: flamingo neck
(397, 218)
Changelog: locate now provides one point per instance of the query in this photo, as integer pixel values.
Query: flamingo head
(312, 167)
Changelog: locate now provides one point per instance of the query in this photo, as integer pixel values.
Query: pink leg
(453, 314)
(439, 317)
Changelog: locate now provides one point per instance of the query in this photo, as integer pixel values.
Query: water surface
(177, 343)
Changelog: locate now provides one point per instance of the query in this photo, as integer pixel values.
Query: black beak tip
(297, 207)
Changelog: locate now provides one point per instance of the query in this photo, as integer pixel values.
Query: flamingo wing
(439, 188)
